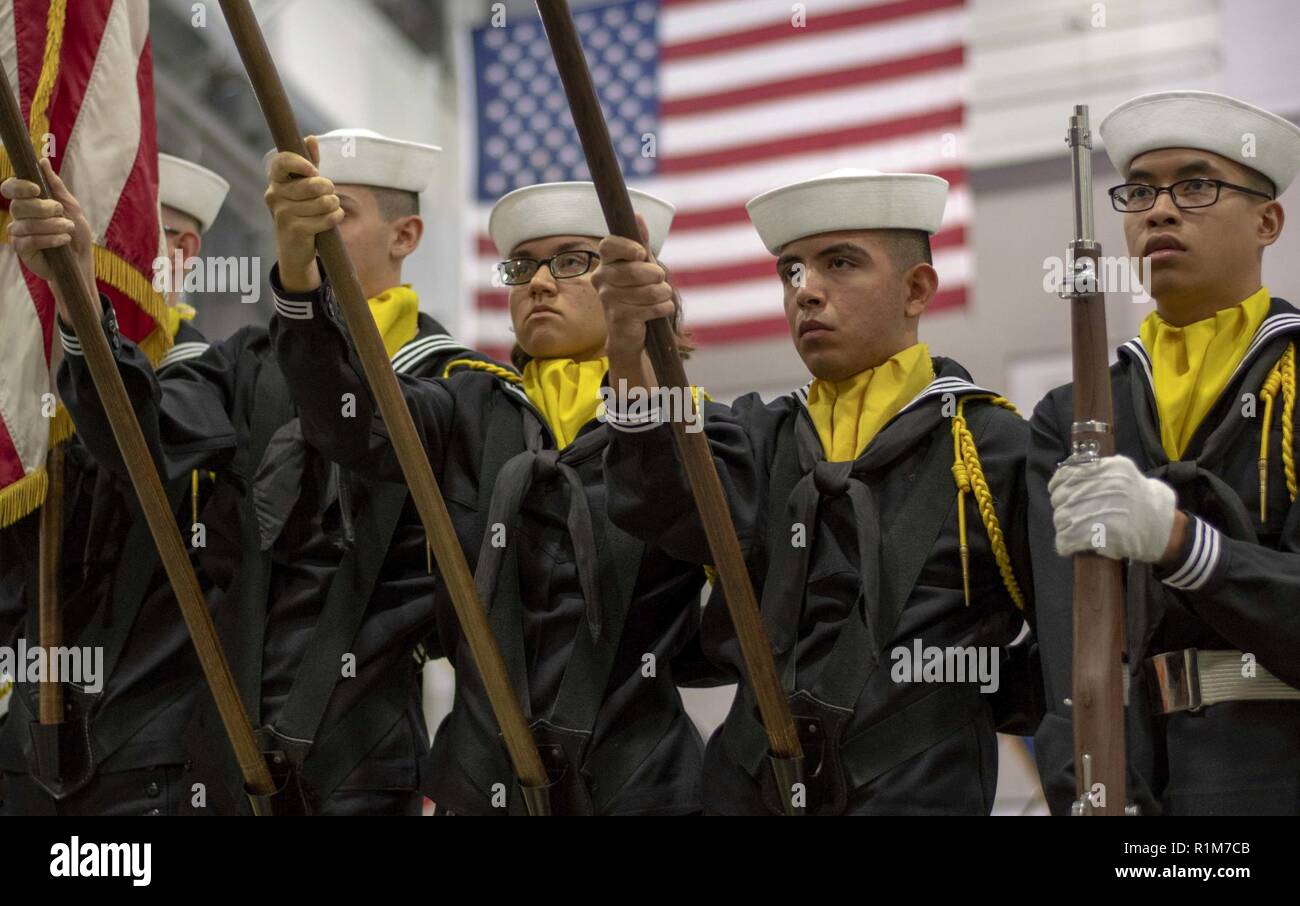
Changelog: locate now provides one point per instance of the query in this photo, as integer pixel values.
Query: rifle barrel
(1080, 142)
(1098, 603)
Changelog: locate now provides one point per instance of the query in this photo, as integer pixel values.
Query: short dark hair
(908, 248)
(1258, 181)
(396, 203)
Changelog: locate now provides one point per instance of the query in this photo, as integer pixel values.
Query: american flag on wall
(711, 102)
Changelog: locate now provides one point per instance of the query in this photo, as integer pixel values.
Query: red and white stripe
(101, 117)
(751, 102)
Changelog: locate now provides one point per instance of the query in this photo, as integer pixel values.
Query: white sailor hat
(191, 189)
(1241, 132)
(848, 200)
(568, 209)
(360, 157)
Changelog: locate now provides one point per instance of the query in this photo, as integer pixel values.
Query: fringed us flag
(711, 102)
(83, 70)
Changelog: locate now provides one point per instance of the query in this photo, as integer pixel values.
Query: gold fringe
(109, 267)
(27, 494)
(120, 274)
(155, 345)
(23, 497)
(61, 426)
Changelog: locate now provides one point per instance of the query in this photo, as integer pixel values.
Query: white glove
(1110, 508)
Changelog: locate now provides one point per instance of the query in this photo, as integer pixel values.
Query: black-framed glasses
(564, 266)
(1197, 192)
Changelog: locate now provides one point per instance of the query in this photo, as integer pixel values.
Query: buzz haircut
(907, 248)
(396, 203)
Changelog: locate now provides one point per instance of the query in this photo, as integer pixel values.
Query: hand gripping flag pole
(509, 713)
(786, 755)
(83, 307)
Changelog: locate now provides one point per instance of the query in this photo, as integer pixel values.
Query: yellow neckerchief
(566, 392)
(175, 315)
(396, 312)
(849, 413)
(1191, 365)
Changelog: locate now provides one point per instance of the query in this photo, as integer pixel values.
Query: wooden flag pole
(692, 447)
(83, 307)
(401, 428)
(49, 612)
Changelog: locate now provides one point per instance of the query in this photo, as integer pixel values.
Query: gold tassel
(1288, 420)
(968, 473)
(962, 479)
(1282, 378)
(194, 498)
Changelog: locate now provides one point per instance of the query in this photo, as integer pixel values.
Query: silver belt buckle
(1176, 679)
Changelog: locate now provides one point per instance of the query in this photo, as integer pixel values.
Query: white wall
(369, 75)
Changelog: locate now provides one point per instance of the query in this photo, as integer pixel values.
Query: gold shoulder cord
(968, 474)
(506, 374)
(1282, 377)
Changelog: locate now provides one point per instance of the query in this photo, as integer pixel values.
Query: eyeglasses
(564, 266)
(1197, 192)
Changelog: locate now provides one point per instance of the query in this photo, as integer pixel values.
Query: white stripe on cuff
(1207, 545)
(182, 352)
(633, 424)
(294, 310)
(71, 345)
